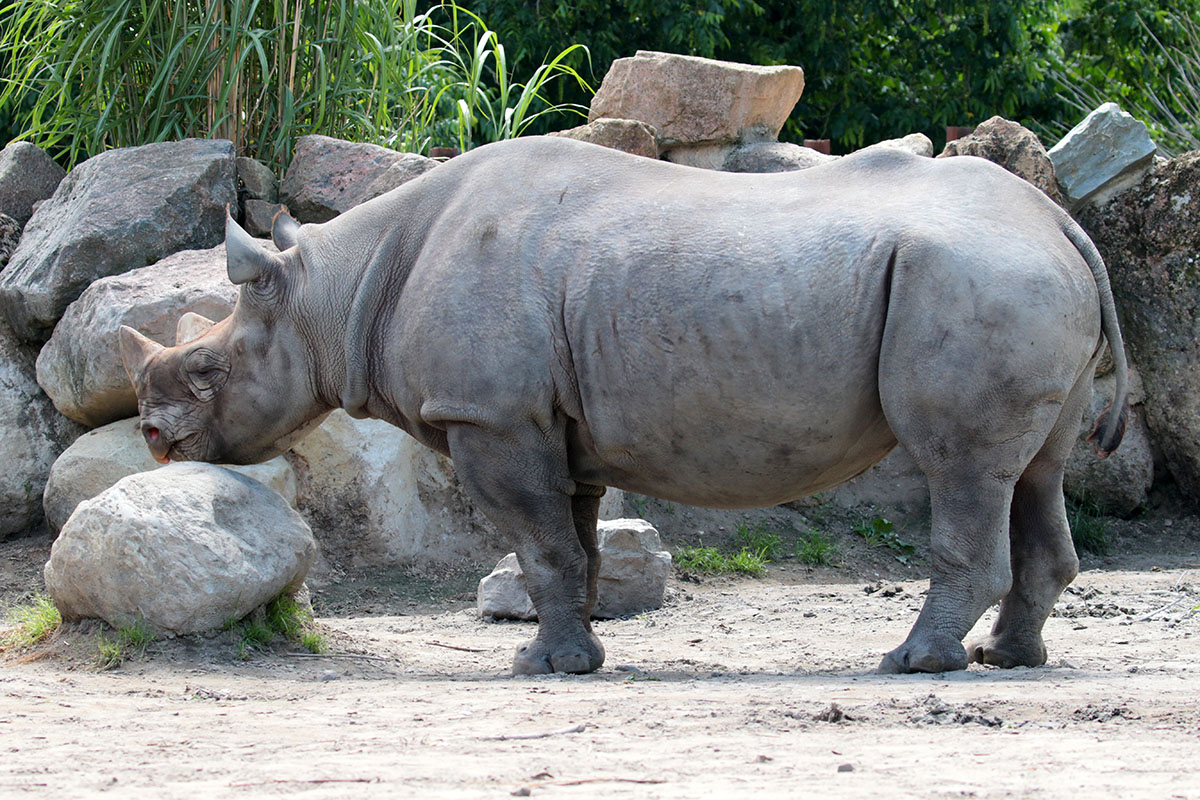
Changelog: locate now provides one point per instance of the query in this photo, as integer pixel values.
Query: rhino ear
(191, 326)
(284, 230)
(245, 260)
(136, 352)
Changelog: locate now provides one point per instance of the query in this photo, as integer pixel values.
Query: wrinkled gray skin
(559, 317)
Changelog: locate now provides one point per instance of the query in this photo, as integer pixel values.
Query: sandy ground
(734, 687)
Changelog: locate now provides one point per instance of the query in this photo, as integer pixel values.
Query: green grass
(710, 560)
(32, 623)
(282, 617)
(881, 532)
(758, 539)
(815, 549)
(1089, 530)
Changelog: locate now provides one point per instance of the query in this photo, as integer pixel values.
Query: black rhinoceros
(559, 317)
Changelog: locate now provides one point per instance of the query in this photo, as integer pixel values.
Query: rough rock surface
(100, 458)
(692, 101)
(27, 175)
(32, 434)
(1106, 146)
(80, 367)
(259, 215)
(627, 135)
(184, 548)
(256, 181)
(1013, 147)
(328, 176)
(118, 211)
(10, 237)
(375, 496)
(1119, 484)
(1150, 239)
(633, 575)
(916, 143)
(762, 157)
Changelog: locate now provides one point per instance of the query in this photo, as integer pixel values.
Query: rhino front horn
(136, 352)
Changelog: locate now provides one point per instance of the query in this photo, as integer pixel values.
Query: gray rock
(100, 458)
(769, 157)
(10, 237)
(375, 497)
(32, 434)
(328, 176)
(1150, 239)
(27, 175)
(1108, 144)
(185, 549)
(1119, 484)
(1013, 147)
(692, 101)
(80, 367)
(258, 215)
(916, 143)
(633, 576)
(118, 211)
(627, 135)
(256, 181)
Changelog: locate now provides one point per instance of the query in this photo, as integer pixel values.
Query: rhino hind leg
(1043, 554)
(518, 479)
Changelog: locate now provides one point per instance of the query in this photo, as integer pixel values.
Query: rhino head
(243, 391)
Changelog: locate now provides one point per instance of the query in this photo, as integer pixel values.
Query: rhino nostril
(152, 435)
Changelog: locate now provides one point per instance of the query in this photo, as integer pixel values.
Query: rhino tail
(1110, 427)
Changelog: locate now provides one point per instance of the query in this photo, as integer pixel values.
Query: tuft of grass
(881, 532)
(1089, 530)
(314, 642)
(758, 539)
(131, 640)
(32, 623)
(283, 617)
(815, 549)
(712, 561)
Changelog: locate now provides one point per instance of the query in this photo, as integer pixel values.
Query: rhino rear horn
(191, 326)
(284, 229)
(245, 259)
(136, 352)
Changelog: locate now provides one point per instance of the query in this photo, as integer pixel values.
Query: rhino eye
(206, 371)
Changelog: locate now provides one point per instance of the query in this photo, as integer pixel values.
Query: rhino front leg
(520, 481)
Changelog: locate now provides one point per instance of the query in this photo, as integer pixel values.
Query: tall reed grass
(115, 73)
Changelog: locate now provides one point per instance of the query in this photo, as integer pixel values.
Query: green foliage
(283, 617)
(31, 623)
(131, 640)
(1089, 530)
(710, 560)
(1136, 54)
(759, 540)
(815, 549)
(84, 77)
(881, 532)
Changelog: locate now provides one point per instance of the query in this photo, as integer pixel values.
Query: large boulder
(375, 496)
(698, 101)
(1150, 239)
(117, 211)
(753, 157)
(916, 143)
(1013, 147)
(100, 458)
(32, 434)
(185, 549)
(1119, 484)
(1104, 154)
(80, 367)
(633, 576)
(328, 176)
(27, 175)
(626, 135)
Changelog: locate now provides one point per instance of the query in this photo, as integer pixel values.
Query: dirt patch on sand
(734, 686)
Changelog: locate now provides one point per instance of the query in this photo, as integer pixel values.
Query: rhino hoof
(535, 658)
(923, 657)
(998, 652)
